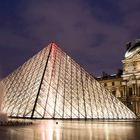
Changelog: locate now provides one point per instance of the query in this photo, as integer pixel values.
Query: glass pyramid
(52, 85)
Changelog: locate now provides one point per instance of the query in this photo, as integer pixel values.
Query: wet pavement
(72, 130)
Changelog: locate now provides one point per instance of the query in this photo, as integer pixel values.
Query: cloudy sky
(92, 32)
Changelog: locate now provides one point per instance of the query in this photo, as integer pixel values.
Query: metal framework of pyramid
(52, 85)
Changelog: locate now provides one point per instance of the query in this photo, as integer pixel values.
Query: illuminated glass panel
(52, 85)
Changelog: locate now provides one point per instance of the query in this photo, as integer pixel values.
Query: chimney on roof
(119, 72)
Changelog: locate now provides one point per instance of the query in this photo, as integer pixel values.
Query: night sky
(92, 32)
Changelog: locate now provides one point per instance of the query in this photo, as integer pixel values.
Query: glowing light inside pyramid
(52, 85)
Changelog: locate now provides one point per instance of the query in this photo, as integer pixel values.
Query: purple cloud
(96, 43)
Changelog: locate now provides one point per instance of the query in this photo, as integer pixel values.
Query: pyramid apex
(53, 43)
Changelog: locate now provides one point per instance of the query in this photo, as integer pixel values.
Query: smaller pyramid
(52, 85)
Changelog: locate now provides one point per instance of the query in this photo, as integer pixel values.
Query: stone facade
(126, 86)
(113, 84)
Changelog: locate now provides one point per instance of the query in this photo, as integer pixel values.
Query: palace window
(130, 92)
(114, 92)
(113, 83)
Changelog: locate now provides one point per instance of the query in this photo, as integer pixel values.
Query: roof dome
(133, 49)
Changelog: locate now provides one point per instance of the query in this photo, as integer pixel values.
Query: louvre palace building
(51, 85)
(125, 85)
